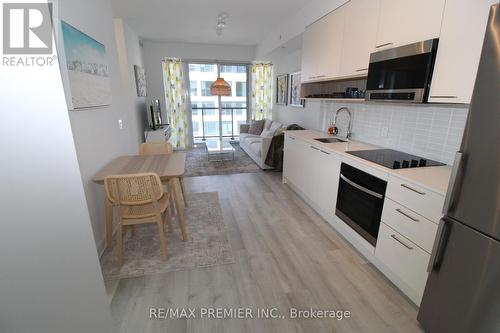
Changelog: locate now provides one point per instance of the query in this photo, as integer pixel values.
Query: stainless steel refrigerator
(463, 290)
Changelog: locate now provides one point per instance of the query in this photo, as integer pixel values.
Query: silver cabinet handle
(315, 148)
(361, 188)
(361, 70)
(407, 215)
(444, 96)
(453, 179)
(412, 189)
(325, 152)
(316, 76)
(382, 45)
(401, 242)
(291, 137)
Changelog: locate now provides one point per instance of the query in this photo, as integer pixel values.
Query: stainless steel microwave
(402, 74)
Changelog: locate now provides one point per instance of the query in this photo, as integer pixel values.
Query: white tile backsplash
(430, 131)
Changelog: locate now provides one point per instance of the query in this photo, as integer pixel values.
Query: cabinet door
(308, 172)
(403, 258)
(327, 175)
(291, 159)
(408, 21)
(459, 50)
(311, 46)
(360, 36)
(331, 48)
(322, 47)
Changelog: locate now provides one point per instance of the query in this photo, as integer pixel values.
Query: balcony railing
(207, 123)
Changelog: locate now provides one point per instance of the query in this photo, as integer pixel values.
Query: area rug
(197, 163)
(207, 243)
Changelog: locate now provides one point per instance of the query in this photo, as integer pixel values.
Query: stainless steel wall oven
(360, 201)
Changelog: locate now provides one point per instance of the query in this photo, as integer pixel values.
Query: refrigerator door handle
(438, 246)
(453, 179)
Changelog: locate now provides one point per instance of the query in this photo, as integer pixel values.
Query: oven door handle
(361, 188)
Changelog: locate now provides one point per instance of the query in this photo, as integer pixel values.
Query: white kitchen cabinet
(360, 36)
(403, 258)
(325, 170)
(426, 203)
(322, 47)
(293, 162)
(314, 171)
(413, 226)
(460, 44)
(408, 21)
(311, 44)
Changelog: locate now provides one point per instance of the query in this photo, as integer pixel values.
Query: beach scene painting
(88, 70)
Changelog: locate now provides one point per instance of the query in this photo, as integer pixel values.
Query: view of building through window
(214, 116)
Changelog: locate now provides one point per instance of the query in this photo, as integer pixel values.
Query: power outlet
(384, 131)
(120, 123)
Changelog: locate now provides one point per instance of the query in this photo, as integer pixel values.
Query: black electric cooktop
(394, 159)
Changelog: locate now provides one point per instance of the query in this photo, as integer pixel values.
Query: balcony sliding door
(216, 117)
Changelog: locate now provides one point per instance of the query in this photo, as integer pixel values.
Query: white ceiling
(194, 21)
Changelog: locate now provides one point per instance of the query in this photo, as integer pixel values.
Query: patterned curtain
(262, 90)
(176, 95)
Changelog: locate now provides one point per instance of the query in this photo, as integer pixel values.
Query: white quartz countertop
(432, 178)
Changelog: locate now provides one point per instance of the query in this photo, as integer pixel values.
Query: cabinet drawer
(425, 202)
(403, 258)
(413, 226)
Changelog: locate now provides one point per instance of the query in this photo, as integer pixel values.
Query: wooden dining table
(169, 167)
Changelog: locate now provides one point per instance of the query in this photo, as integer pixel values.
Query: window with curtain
(262, 90)
(176, 82)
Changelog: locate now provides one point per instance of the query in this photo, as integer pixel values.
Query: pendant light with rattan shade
(220, 88)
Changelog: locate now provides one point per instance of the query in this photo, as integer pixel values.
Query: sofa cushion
(267, 133)
(275, 126)
(267, 123)
(256, 148)
(256, 127)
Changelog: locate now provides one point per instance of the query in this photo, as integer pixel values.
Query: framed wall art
(295, 99)
(87, 68)
(281, 89)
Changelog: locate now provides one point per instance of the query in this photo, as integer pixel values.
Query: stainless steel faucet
(349, 127)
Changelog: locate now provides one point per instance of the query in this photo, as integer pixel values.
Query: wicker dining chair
(159, 148)
(139, 198)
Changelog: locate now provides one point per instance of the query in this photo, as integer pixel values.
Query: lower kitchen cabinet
(314, 171)
(325, 180)
(409, 218)
(410, 224)
(404, 258)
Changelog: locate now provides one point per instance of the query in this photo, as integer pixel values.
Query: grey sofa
(257, 146)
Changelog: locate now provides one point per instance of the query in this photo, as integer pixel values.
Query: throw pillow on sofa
(275, 126)
(256, 127)
(267, 133)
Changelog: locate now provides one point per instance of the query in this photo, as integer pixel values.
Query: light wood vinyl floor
(286, 256)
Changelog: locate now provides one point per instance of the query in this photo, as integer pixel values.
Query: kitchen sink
(330, 140)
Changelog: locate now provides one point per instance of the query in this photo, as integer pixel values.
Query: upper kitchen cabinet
(322, 47)
(360, 36)
(403, 22)
(462, 34)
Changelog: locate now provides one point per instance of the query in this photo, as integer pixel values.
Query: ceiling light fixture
(221, 23)
(220, 88)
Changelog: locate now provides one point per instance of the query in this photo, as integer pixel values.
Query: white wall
(50, 279)
(129, 50)
(431, 131)
(154, 52)
(97, 136)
